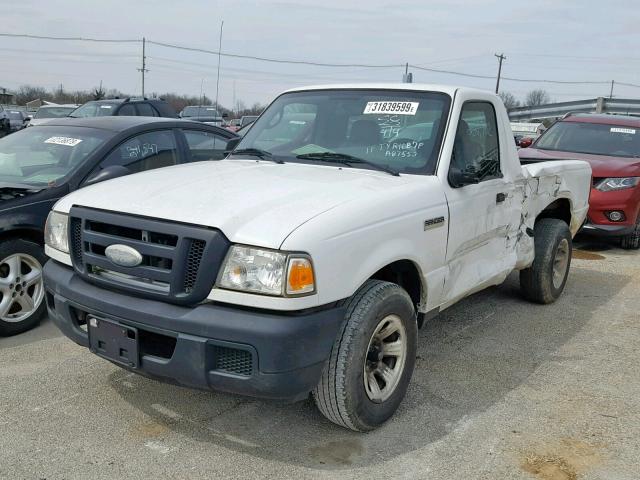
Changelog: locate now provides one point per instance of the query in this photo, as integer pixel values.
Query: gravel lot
(503, 389)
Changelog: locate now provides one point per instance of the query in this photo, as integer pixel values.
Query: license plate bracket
(114, 341)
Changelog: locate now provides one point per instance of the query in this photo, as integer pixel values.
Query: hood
(252, 202)
(13, 191)
(40, 121)
(601, 165)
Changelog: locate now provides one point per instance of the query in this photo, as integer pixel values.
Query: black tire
(632, 240)
(341, 395)
(537, 282)
(11, 247)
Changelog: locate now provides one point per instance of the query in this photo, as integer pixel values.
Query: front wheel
(372, 359)
(22, 303)
(632, 240)
(544, 281)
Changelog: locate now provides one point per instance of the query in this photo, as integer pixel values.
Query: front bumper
(269, 355)
(626, 201)
(607, 230)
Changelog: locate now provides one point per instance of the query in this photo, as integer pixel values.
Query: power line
(273, 60)
(73, 39)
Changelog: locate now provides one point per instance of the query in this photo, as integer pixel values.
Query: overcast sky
(571, 40)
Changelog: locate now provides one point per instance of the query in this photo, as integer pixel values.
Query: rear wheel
(632, 240)
(544, 281)
(22, 303)
(372, 360)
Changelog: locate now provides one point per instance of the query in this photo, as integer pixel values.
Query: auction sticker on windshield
(623, 130)
(68, 141)
(398, 108)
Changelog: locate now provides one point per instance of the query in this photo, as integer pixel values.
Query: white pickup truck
(306, 261)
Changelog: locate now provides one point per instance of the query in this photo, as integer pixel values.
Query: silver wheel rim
(21, 287)
(560, 263)
(385, 359)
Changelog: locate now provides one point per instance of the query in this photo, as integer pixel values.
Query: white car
(48, 112)
(306, 261)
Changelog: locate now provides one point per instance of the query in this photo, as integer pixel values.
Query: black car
(125, 107)
(39, 165)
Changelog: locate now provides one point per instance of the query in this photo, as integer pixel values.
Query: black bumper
(209, 346)
(607, 230)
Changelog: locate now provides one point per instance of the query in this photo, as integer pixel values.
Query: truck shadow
(469, 358)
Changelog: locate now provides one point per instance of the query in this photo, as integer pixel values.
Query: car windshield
(44, 155)
(53, 112)
(15, 115)
(202, 111)
(95, 109)
(394, 129)
(592, 138)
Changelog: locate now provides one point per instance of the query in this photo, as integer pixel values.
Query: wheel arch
(560, 208)
(407, 274)
(23, 233)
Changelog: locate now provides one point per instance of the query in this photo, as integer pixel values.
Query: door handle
(501, 197)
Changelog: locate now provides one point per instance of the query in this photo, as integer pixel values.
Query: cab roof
(410, 87)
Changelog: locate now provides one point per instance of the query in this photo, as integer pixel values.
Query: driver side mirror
(459, 178)
(231, 145)
(108, 173)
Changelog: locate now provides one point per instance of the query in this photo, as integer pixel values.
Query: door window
(205, 145)
(145, 152)
(476, 149)
(146, 110)
(127, 110)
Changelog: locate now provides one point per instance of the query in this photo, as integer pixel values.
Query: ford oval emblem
(123, 255)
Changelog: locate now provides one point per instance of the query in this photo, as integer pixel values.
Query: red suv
(611, 144)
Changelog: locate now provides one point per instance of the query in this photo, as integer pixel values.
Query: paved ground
(503, 389)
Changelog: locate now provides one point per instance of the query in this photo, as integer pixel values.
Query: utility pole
(407, 77)
(144, 63)
(500, 58)
(219, 57)
(611, 94)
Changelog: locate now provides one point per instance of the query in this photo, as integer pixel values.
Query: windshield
(53, 112)
(95, 109)
(400, 130)
(202, 111)
(44, 155)
(15, 115)
(592, 138)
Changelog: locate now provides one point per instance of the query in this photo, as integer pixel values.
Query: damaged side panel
(543, 184)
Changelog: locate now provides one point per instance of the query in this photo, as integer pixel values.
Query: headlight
(617, 183)
(267, 272)
(56, 231)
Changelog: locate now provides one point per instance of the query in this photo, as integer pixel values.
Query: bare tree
(537, 97)
(509, 100)
(27, 93)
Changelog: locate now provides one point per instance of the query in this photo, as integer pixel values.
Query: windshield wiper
(345, 159)
(256, 152)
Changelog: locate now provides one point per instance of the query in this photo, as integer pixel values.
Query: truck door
(482, 212)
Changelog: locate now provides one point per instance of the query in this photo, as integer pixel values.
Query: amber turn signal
(300, 276)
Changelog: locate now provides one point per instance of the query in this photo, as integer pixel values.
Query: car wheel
(632, 241)
(372, 359)
(544, 281)
(22, 303)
